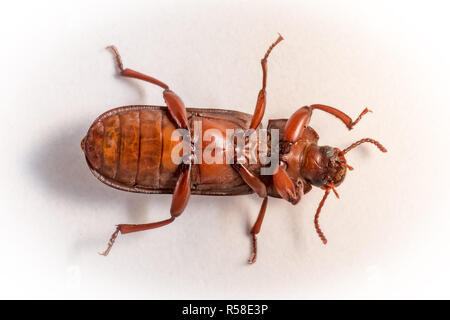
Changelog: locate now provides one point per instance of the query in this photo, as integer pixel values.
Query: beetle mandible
(130, 148)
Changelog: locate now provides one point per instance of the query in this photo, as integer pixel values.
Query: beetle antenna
(357, 143)
(316, 217)
(110, 242)
(334, 190)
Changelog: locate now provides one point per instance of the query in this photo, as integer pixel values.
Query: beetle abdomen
(126, 146)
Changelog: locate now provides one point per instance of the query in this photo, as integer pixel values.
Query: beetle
(130, 148)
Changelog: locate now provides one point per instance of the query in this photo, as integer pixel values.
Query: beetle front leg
(261, 100)
(340, 115)
(296, 124)
(255, 230)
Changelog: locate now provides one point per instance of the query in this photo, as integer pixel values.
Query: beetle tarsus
(252, 259)
(366, 110)
(117, 57)
(111, 242)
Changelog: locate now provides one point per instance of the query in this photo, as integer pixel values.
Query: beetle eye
(329, 152)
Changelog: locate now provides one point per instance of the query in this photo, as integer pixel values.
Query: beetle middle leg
(253, 181)
(261, 100)
(255, 230)
(258, 186)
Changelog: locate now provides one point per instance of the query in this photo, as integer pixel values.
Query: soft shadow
(59, 166)
(137, 85)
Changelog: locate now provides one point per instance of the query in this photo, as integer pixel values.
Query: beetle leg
(255, 230)
(128, 228)
(182, 192)
(176, 106)
(260, 188)
(134, 74)
(261, 100)
(252, 180)
(296, 124)
(179, 201)
(284, 185)
(341, 115)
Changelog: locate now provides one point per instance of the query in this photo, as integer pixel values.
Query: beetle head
(324, 166)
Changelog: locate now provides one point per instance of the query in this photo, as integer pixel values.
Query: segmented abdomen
(127, 145)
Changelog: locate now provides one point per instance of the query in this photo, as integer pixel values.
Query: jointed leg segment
(128, 228)
(300, 119)
(252, 180)
(134, 74)
(340, 115)
(261, 101)
(255, 230)
(174, 102)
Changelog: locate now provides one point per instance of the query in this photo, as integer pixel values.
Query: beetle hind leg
(174, 103)
(180, 200)
(129, 228)
(131, 73)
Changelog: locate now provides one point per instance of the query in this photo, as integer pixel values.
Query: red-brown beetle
(130, 148)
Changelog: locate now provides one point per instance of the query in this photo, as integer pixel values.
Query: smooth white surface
(389, 233)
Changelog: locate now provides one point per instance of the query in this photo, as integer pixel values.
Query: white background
(389, 233)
